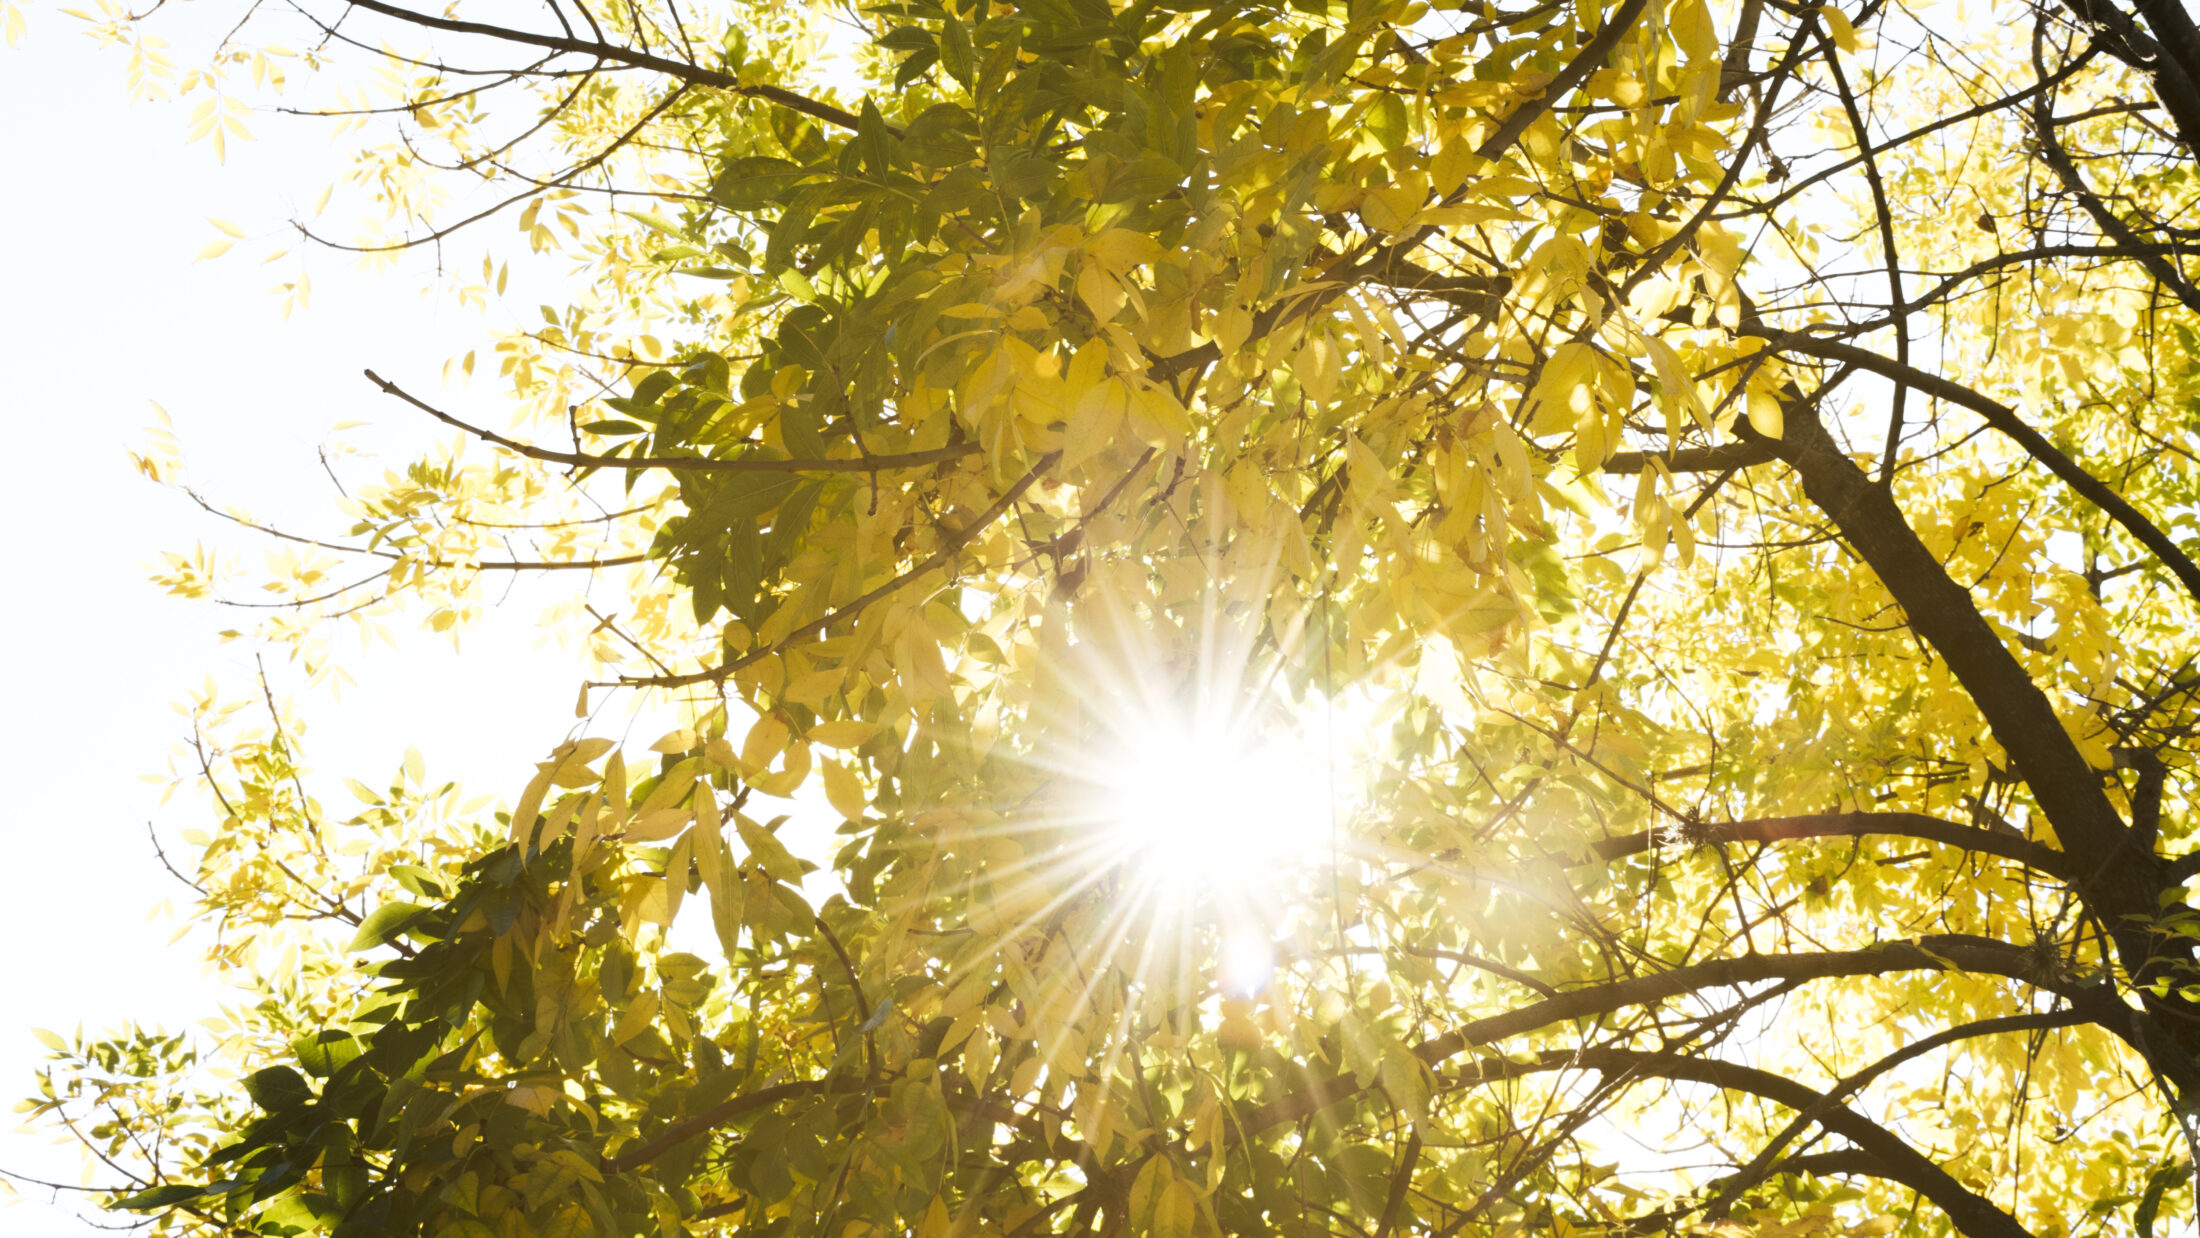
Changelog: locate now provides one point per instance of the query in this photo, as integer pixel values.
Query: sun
(1213, 806)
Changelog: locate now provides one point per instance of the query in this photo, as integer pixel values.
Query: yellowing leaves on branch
(1573, 617)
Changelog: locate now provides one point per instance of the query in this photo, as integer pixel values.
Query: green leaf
(940, 137)
(384, 923)
(754, 183)
(956, 54)
(1148, 178)
(299, 1212)
(323, 1053)
(744, 497)
(766, 849)
(2150, 1203)
(1388, 121)
(791, 524)
(612, 426)
(659, 222)
(914, 67)
(159, 1197)
(278, 1089)
(907, 39)
(790, 230)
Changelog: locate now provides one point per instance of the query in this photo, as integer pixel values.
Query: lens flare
(1248, 964)
(1217, 809)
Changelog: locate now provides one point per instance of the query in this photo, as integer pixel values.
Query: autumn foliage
(1572, 618)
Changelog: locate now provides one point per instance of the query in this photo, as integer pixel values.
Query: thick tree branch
(1693, 459)
(1947, 952)
(2120, 884)
(2022, 718)
(1763, 1165)
(1844, 825)
(1972, 1213)
(2173, 79)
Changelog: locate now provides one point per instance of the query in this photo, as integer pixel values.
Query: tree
(1708, 495)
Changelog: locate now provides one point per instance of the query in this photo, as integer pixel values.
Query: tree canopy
(1576, 617)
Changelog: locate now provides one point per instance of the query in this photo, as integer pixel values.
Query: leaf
(955, 51)
(754, 183)
(1146, 178)
(278, 1089)
(383, 925)
(657, 222)
(1765, 414)
(325, 1052)
(843, 790)
(2150, 1200)
(743, 497)
(164, 1196)
(765, 849)
(1387, 121)
(848, 734)
(1839, 25)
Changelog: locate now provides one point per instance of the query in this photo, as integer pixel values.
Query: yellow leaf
(678, 741)
(656, 826)
(1177, 1211)
(710, 846)
(843, 790)
(936, 1220)
(1158, 419)
(1765, 416)
(1095, 422)
(1100, 293)
(1119, 250)
(638, 1015)
(851, 733)
(1838, 24)
(766, 740)
(530, 801)
(534, 1098)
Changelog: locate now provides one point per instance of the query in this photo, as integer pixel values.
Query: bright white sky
(101, 311)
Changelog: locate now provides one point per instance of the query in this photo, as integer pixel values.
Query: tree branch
(2013, 426)
(1945, 952)
(1844, 825)
(684, 464)
(1972, 1213)
(944, 554)
(695, 74)
(1693, 459)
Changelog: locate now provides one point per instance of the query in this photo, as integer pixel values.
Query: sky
(103, 312)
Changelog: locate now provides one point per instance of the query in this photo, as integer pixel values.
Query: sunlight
(1211, 807)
